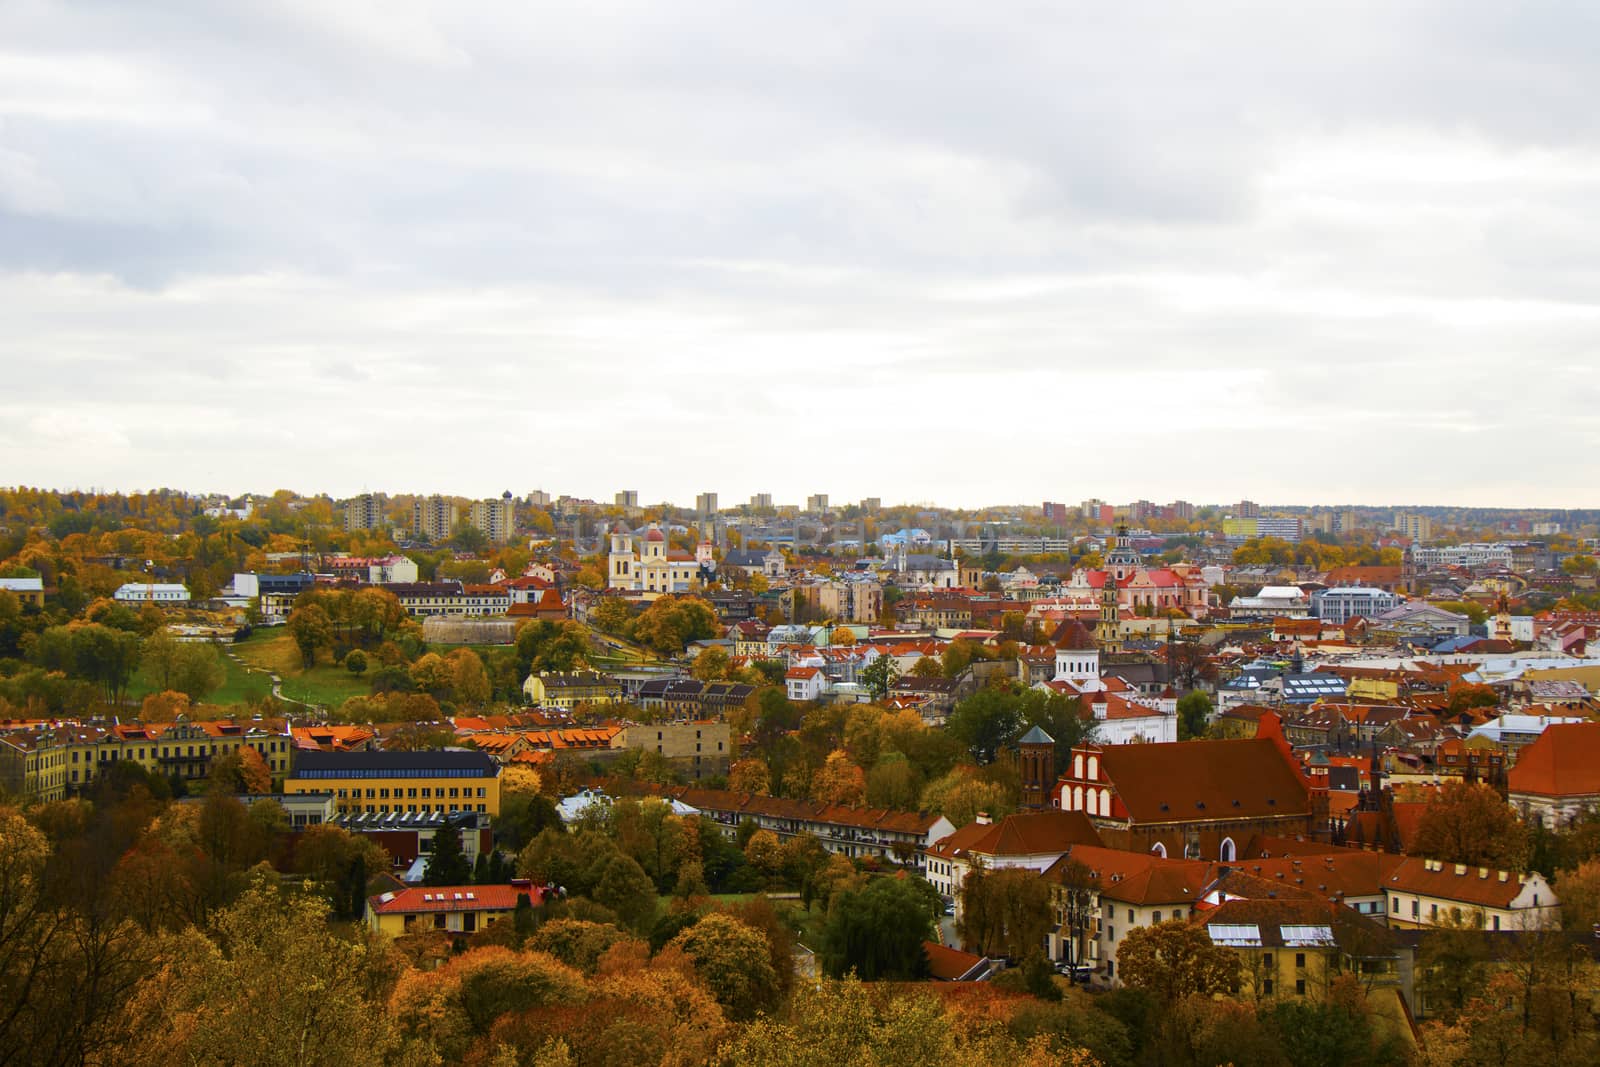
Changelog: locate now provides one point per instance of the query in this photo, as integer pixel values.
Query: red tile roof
(453, 898)
(1563, 762)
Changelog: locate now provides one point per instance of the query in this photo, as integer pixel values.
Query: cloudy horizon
(996, 254)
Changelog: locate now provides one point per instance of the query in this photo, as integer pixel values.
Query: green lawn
(240, 686)
(274, 650)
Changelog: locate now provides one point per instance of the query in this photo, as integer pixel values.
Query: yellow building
(455, 909)
(439, 780)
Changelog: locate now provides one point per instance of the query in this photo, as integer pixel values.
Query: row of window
(427, 793)
(391, 772)
(412, 808)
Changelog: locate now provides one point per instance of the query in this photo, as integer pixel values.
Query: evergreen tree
(448, 865)
(480, 869)
(356, 888)
(522, 923)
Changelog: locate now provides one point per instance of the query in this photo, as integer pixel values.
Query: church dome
(655, 534)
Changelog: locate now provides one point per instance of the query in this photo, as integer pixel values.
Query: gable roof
(1563, 762)
(1183, 781)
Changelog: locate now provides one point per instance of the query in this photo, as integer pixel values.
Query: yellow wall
(405, 794)
(395, 924)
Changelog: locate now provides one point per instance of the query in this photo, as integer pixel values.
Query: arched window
(1094, 766)
(1093, 800)
(1227, 853)
(1077, 798)
(1077, 766)
(1105, 802)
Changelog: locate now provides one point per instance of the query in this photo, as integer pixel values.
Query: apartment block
(433, 518)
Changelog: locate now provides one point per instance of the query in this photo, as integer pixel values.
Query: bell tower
(1036, 756)
(1108, 631)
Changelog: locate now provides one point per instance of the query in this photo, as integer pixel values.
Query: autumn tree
(312, 631)
(275, 986)
(750, 775)
(1004, 912)
(839, 781)
(733, 960)
(959, 796)
(711, 665)
(1469, 823)
(1171, 960)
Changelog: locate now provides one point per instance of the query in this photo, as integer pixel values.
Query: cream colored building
(434, 518)
(495, 517)
(652, 572)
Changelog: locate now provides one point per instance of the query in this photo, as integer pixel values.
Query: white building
(152, 592)
(1277, 601)
(1348, 601)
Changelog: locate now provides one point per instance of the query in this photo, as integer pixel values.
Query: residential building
(1031, 839)
(705, 505)
(804, 683)
(459, 909)
(1415, 528)
(817, 503)
(495, 517)
(433, 518)
(859, 833)
(439, 780)
(27, 590)
(568, 689)
(761, 501)
(701, 747)
(1424, 892)
(1123, 891)
(451, 598)
(871, 505)
(1273, 602)
(1247, 509)
(365, 512)
(1286, 529)
(628, 499)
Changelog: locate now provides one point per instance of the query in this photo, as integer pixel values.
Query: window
(1266, 987)
(1414, 907)
(1155, 917)
(1300, 987)
(1266, 959)
(1300, 962)
(1130, 917)
(1497, 922)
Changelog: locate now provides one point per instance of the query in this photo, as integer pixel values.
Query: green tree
(877, 931)
(356, 662)
(880, 675)
(627, 890)
(447, 864)
(1194, 714)
(985, 721)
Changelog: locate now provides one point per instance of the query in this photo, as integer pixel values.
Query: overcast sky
(995, 253)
